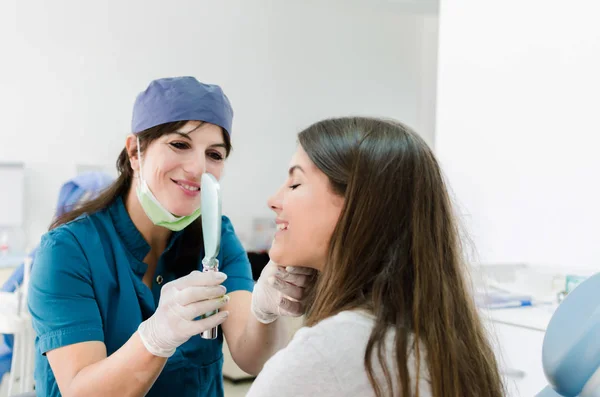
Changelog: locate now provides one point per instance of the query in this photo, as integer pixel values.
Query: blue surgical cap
(73, 190)
(181, 98)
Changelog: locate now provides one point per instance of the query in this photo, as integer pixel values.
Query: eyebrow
(294, 168)
(183, 134)
(186, 136)
(216, 145)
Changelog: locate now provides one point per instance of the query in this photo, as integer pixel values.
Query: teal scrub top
(86, 285)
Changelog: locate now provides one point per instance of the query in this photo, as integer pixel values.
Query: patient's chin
(275, 254)
(282, 258)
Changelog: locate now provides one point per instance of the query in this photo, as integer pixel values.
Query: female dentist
(116, 295)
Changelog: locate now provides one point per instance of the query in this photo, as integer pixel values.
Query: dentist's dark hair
(123, 183)
(396, 252)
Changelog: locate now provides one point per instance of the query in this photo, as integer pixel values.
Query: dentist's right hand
(181, 302)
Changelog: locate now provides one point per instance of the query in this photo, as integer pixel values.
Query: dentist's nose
(196, 167)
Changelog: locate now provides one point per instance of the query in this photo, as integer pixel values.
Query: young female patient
(365, 204)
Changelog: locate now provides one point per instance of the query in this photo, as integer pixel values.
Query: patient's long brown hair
(396, 252)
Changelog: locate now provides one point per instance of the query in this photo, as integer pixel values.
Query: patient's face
(307, 212)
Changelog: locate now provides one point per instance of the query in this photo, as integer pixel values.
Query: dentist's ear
(132, 151)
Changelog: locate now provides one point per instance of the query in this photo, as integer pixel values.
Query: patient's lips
(281, 225)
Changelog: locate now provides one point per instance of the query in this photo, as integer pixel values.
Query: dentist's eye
(216, 156)
(179, 145)
(293, 187)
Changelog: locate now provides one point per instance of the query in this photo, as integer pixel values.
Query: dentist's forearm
(251, 342)
(258, 343)
(130, 371)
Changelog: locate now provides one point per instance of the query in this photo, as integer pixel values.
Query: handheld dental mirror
(210, 196)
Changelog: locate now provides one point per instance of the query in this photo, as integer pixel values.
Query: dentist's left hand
(280, 291)
(181, 302)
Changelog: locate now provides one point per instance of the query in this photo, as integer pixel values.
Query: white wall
(75, 67)
(518, 127)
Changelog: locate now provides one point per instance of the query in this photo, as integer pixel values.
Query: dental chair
(571, 350)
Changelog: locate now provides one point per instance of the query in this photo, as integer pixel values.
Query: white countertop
(532, 317)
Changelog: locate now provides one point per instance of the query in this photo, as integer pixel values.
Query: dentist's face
(307, 212)
(174, 163)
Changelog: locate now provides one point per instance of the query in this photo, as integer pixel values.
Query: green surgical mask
(154, 209)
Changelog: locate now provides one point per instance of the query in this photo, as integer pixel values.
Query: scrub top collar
(131, 236)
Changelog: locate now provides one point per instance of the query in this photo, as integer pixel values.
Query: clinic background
(506, 92)
(509, 104)
(73, 69)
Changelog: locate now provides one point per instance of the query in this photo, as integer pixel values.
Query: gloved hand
(279, 291)
(181, 301)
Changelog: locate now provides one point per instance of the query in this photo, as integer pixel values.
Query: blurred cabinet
(258, 260)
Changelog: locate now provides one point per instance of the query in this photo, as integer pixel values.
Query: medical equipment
(210, 195)
(4, 244)
(571, 350)
(15, 320)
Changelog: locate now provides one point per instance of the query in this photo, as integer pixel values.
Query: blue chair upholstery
(571, 350)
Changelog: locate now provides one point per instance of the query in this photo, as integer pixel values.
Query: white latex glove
(279, 291)
(181, 301)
